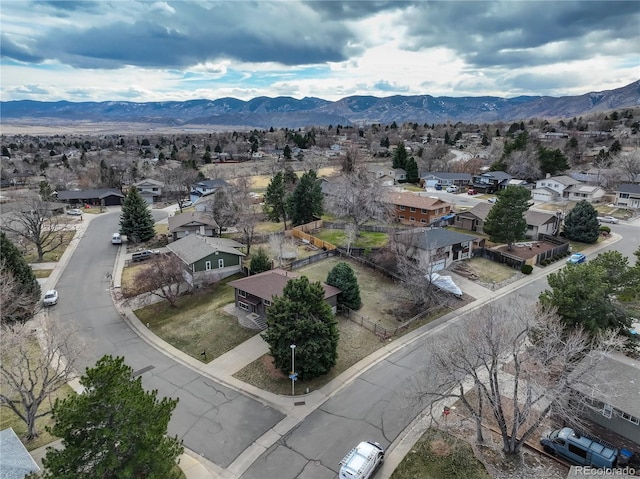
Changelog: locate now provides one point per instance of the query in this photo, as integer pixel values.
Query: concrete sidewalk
(296, 409)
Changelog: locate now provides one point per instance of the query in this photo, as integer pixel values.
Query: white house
(628, 196)
(149, 189)
(564, 187)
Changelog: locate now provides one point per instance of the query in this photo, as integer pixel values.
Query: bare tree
(163, 277)
(222, 207)
(277, 244)
(629, 164)
(248, 217)
(356, 196)
(37, 225)
(31, 375)
(524, 164)
(518, 362)
(178, 183)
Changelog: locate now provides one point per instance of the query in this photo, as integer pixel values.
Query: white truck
(362, 461)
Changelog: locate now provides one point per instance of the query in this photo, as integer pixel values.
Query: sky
(145, 51)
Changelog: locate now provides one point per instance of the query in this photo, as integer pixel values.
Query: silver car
(50, 298)
(608, 219)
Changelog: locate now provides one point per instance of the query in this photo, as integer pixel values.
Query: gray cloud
(9, 49)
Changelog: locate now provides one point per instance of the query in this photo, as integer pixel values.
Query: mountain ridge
(283, 111)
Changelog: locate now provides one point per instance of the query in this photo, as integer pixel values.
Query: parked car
(608, 219)
(439, 187)
(116, 238)
(583, 449)
(143, 255)
(471, 191)
(186, 203)
(74, 212)
(362, 461)
(50, 298)
(452, 189)
(577, 258)
(492, 199)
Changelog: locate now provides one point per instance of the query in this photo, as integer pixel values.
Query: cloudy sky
(181, 50)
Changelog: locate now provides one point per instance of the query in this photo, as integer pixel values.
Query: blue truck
(583, 450)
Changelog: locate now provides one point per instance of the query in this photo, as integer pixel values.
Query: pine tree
(27, 288)
(581, 223)
(412, 170)
(114, 429)
(260, 262)
(275, 199)
(400, 156)
(343, 278)
(302, 317)
(136, 221)
(505, 222)
(305, 203)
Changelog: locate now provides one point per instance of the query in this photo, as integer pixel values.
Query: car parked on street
(608, 219)
(186, 203)
(577, 258)
(452, 189)
(50, 298)
(472, 192)
(362, 461)
(74, 212)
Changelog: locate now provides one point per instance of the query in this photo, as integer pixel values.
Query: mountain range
(280, 112)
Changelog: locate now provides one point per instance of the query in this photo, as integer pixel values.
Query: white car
(50, 298)
(74, 212)
(492, 199)
(362, 461)
(608, 219)
(186, 203)
(452, 189)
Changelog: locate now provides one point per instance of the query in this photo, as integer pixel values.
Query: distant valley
(280, 112)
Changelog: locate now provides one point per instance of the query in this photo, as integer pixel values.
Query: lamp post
(293, 374)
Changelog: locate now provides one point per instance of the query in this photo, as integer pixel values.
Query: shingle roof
(481, 210)
(89, 194)
(430, 239)
(15, 460)
(414, 201)
(629, 188)
(195, 247)
(445, 175)
(538, 218)
(565, 180)
(182, 219)
(271, 283)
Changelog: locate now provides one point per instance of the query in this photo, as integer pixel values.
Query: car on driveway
(492, 199)
(186, 203)
(608, 219)
(74, 212)
(577, 258)
(452, 189)
(50, 298)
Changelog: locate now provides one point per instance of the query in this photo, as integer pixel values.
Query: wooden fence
(499, 257)
(300, 232)
(299, 263)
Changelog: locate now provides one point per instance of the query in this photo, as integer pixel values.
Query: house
(99, 197)
(207, 259)
(554, 188)
(491, 181)
(628, 196)
(444, 179)
(412, 209)
(254, 294)
(206, 187)
(150, 190)
(191, 223)
(610, 384)
(473, 219)
(15, 460)
(385, 175)
(438, 248)
(538, 222)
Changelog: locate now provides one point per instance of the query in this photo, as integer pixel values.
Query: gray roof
(611, 378)
(629, 188)
(498, 175)
(193, 248)
(481, 210)
(89, 194)
(564, 179)
(271, 283)
(445, 175)
(185, 219)
(209, 184)
(430, 239)
(15, 460)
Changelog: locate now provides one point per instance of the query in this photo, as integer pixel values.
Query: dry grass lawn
(31, 256)
(490, 271)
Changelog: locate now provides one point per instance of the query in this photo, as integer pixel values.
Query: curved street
(242, 434)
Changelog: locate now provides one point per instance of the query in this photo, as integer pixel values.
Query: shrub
(526, 269)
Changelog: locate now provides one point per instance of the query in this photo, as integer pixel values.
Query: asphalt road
(382, 402)
(213, 420)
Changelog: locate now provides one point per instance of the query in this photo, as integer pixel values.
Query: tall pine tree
(505, 222)
(305, 203)
(400, 156)
(136, 221)
(412, 170)
(343, 278)
(113, 429)
(581, 223)
(275, 199)
(26, 286)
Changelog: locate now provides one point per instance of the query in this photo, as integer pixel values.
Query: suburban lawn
(31, 256)
(437, 455)
(42, 273)
(489, 271)
(198, 323)
(366, 239)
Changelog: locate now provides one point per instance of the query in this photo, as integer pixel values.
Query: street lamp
(293, 374)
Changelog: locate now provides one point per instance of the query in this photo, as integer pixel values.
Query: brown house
(191, 223)
(254, 293)
(412, 209)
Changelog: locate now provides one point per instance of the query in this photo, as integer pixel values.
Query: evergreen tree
(27, 288)
(260, 262)
(305, 203)
(400, 156)
(505, 222)
(287, 152)
(45, 190)
(275, 199)
(113, 429)
(447, 139)
(343, 278)
(302, 317)
(136, 221)
(581, 223)
(412, 170)
(552, 161)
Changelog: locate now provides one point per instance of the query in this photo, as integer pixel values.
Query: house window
(411, 218)
(244, 306)
(607, 411)
(423, 220)
(412, 209)
(221, 263)
(624, 195)
(401, 208)
(242, 294)
(401, 217)
(630, 418)
(207, 265)
(267, 302)
(424, 212)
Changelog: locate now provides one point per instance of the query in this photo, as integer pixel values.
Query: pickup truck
(143, 255)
